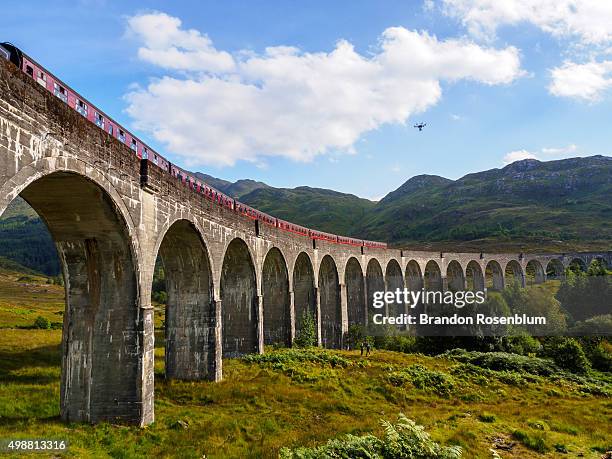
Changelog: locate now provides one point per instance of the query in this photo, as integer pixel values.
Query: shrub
(289, 356)
(601, 358)
(521, 344)
(160, 297)
(534, 442)
(307, 335)
(595, 326)
(42, 323)
(404, 439)
(405, 344)
(424, 379)
(568, 354)
(487, 417)
(356, 335)
(502, 361)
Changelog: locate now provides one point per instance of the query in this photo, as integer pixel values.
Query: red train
(96, 116)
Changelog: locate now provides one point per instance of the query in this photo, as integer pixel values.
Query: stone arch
(555, 269)
(514, 273)
(355, 292)
(190, 318)
(94, 237)
(375, 282)
(275, 288)
(394, 280)
(474, 277)
(534, 272)
(329, 294)
(239, 301)
(577, 265)
(304, 290)
(494, 276)
(433, 277)
(455, 277)
(414, 277)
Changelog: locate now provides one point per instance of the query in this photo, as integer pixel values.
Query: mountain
(234, 189)
(414, 185)
(318, 208)
(24, 239)
(560, 205)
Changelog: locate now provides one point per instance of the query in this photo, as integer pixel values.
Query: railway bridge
(234, 284)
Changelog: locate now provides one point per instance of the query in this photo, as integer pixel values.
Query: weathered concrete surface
(111, 220)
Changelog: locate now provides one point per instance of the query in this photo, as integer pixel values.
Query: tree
(307, 335)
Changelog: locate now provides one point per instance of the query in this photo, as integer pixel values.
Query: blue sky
(325, 94)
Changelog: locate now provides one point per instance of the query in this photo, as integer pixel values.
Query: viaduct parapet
(234, 284)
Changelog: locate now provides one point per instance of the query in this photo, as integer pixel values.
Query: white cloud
(589, 21)
(581, 81)
(518, 155)
(298, 105)
(544, 154)
(558, 152)
(167, 45)
(587, 24)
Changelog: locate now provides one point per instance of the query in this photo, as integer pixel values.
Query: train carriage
(291, 227)
(323, 236)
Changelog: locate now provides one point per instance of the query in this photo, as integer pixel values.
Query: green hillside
(325, 210)
(24, 238)
(562, 204)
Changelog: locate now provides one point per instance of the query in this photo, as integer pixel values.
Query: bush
(521, 344)
(595, 326)
(502, 361)
(289, 356)
(42, 323)
(307, 334)
(567, 353)
(405, 344)
(355, 336)
(487, 417)
(404, 439)
(534, 442)
(160, 297)
(601, 358)
(301, 365)
(425, 379)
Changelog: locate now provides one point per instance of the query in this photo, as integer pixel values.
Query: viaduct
(233, 285)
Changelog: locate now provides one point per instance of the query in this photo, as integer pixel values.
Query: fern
(404, 439)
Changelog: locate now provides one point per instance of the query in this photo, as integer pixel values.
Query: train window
(145, 153)
(110, 129)
(60, 92)
(81, 107)
(42, 79)
(134, 145)
(100, 120)
(121, 135)
(30, 71)
(155, 160)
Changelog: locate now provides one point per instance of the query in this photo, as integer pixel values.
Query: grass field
(292, 399)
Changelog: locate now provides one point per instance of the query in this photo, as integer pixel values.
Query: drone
(420, 126)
